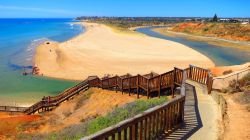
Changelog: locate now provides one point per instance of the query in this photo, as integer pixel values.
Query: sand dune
(101, 51)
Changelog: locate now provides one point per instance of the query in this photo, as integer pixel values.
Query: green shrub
(227, 72)
(93, 125)
(121, 113)
(244, 81)
(241, 85)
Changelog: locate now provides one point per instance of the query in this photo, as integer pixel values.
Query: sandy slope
(99, 103)
(100, 51)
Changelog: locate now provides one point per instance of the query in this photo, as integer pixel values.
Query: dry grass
(227, 72)
(231, 31)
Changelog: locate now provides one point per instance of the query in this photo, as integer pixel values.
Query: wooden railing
(200, 75)
(167, 80)
(151, 124)
(178, 75)
(153, 82)
(56, 100)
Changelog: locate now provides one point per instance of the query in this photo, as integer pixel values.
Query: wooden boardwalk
(168, 115)
(192, 119)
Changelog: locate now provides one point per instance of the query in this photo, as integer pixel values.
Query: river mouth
(221, 56)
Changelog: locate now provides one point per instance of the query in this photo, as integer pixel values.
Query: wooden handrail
(57, 99)
(171, 114)
(231, 74)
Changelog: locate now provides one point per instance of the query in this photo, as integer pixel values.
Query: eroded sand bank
(101, 51)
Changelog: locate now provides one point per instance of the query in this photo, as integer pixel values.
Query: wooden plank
(149, 127)
(119, 135)
(113, 136)
(133, 132)
(145, 128)
(141, 130)
(137, 86)
(148, 89)
(153, 123)
(125, 134)
(130, 133)
(136, 130)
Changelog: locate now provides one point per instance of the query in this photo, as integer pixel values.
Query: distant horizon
(114, 17)
(128, 8)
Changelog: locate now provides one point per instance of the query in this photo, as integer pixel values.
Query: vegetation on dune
(231, 31)
(243, 82)
(122, 113)
(243, 85)
(124, 24)
(242, 88)
(227, 72)
(97, 123)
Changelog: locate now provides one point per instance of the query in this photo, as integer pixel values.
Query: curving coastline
(101, 51)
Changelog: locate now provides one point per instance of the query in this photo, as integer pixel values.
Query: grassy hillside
(230, 31)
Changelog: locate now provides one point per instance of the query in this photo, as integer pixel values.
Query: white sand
(101, 51)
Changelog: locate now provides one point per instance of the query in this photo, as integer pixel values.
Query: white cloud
(59, 11)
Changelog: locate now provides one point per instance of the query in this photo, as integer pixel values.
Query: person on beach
(48, 99)
(44, 100)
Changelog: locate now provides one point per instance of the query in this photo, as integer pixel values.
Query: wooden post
(108, 83)
(159, 90)
(173, 83)
(102, 83)
(129, 80)
(148, 88)
(116, 84)
(122, 86)
(174, 75)
(138, 86)
(190, 71)
(172, 91)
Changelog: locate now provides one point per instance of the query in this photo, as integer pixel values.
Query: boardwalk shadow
(192, 119)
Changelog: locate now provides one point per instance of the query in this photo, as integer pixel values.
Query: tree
(215, 18)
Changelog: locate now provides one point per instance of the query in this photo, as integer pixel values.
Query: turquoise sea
(18, 39)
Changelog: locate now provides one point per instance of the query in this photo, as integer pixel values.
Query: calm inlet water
(18, 39)
(221, 56)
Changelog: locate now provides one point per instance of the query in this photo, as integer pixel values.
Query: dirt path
(209, 114)
(238, 121)
(201, 115)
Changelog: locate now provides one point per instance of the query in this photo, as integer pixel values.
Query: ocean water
(18, 40)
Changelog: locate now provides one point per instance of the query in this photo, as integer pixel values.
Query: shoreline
(98, 44)
(244, 45)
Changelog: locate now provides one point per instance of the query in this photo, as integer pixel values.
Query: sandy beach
(100, 50)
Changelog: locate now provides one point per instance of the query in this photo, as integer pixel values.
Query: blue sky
(163, 8)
